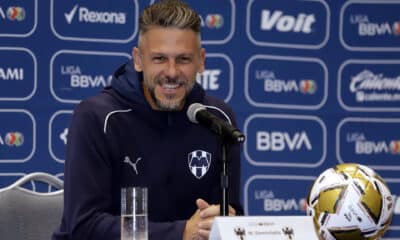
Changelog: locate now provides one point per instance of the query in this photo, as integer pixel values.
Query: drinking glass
(134, 222)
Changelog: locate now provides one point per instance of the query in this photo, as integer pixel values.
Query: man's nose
(172, 69)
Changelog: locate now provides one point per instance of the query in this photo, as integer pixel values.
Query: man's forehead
(159, 34)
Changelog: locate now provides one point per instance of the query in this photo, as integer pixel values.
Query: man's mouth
(170, 86)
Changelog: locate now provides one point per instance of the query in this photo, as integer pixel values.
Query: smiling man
(136, 133)
(169, 58)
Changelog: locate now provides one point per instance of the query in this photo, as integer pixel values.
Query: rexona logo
(275, 204)
(79, 80)
(367, 28)
(11, 73)
(279, 21)
(369, 86)
(282, 141)
(364, 146)
(85, 15)
(209, 79)
(274, 84)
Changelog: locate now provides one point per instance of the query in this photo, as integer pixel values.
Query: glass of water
(134, 223)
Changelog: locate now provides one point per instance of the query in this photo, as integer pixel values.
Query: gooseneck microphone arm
(197, 113)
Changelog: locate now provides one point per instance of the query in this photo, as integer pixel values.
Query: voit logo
(83, 14)
(212, 21)
(279, 21)
(10, 73)
(273, 83)
(274, 204)
(77, 79)
(12, 139)
(365, 146)
(13, 13)
(368, 28)
(375, 87)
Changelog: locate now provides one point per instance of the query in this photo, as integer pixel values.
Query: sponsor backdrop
(314, 83)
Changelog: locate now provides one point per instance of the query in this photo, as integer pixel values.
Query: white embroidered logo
(134, 165)
(199, 162)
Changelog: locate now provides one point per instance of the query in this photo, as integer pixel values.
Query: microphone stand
(226, 140)
(224, 205)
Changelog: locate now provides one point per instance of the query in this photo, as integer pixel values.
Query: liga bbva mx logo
(199, 162)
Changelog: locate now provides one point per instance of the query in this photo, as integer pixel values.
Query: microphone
(197, 113)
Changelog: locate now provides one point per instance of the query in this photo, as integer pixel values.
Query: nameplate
(263, 227)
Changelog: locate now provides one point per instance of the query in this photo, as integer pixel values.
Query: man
(136, 133)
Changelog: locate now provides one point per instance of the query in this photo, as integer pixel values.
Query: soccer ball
(350, 202)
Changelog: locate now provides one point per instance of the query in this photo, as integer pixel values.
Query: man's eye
(159, 59)
(185, 59)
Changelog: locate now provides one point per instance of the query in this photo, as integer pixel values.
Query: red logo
(14, 139)
(16, 13)
(214, 21)
(395, 147)
(396, 28)
(308, 86)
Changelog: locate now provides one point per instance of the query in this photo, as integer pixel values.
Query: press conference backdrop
(314, 83)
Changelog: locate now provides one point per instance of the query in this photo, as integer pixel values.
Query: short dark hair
(169, 13)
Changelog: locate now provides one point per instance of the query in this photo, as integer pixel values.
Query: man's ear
(137, 59)
(202, 60)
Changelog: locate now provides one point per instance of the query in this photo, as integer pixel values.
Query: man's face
(169, 58)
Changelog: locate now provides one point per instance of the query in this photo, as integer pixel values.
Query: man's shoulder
(216, 102)
(99, 105)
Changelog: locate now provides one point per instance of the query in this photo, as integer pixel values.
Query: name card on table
(263, 227)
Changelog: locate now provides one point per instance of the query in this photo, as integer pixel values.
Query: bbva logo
(280, 141)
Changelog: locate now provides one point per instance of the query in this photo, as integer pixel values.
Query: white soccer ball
(350, 201)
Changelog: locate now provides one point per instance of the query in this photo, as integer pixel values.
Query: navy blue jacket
(118, 126)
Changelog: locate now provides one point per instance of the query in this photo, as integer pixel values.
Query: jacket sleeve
(88, 211)
(166, 230)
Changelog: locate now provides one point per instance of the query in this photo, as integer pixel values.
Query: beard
(169, 102)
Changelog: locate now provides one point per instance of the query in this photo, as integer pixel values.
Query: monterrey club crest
(199, 162)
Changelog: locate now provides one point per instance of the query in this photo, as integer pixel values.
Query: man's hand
(199, 225)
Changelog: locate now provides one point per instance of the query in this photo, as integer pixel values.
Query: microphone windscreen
(192, 111)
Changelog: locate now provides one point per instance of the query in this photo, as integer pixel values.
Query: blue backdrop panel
(314, 83)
